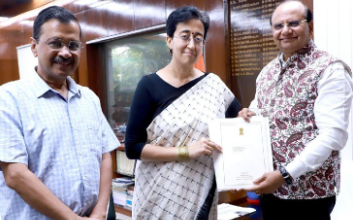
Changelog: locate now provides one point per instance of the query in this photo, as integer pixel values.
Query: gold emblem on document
(241, 131)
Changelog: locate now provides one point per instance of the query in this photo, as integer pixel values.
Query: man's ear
(34, 47)
(311, 29)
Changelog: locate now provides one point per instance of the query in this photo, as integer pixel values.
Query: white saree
(178, 190)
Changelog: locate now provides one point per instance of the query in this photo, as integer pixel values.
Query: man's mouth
(288, 38)
(62, 61)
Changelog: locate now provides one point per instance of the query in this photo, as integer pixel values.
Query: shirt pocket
(88, 133)
(93, 145)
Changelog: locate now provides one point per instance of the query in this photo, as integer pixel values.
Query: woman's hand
(203, 146)
(246, 114)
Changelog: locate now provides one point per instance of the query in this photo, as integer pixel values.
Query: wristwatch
(285, 175)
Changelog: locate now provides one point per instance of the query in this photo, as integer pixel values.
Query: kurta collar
(302, 52)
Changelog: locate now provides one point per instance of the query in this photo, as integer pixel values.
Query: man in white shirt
(307, 95)
(55, 142)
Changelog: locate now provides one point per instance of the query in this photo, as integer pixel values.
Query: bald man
(307, 95)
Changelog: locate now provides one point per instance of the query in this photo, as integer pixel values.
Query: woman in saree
(167, 128)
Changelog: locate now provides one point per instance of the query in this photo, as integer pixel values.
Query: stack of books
(123, 190)
(125, 166)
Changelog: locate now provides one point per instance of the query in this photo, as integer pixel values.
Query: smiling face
(56, 64)
(290, 40)
(186, 53)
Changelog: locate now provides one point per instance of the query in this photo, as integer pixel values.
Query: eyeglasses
(291, 24)
(198, 41)
(58, 44)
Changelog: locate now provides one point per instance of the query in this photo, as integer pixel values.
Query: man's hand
(246, 114)
(268, 183)
(32, 190)
(95, 216)
(99, 211)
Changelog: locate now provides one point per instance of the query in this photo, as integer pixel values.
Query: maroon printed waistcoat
(287, 95)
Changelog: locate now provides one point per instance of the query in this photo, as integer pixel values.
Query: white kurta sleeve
(331, 110)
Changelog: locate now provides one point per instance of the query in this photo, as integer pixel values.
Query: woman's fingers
(210, 146)
(209, 151)
(204, 147)
(215, 146)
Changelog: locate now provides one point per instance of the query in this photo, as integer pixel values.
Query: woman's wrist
(183, 153)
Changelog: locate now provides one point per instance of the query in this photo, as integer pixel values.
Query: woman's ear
(170, 44)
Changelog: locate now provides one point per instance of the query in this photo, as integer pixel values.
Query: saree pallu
(178, 190)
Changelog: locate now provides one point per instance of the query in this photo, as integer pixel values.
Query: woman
(167, 128)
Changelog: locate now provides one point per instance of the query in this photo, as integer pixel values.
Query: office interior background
(125, 39)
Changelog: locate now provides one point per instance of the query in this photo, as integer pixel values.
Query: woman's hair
(185, 14)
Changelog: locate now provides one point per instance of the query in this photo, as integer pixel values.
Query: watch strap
(285, 175)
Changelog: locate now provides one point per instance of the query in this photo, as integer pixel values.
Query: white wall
(26, 61)
(333, 32)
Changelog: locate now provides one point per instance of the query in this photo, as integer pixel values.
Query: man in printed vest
(307, 95)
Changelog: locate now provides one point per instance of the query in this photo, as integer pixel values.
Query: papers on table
(227, 212)
(246, 151)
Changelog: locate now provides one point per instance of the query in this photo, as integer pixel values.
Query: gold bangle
(183, 153)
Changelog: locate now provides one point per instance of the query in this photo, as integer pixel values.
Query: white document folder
(227, 211)
(247, 153)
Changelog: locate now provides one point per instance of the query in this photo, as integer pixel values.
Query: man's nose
(65, 52)
(286, 29)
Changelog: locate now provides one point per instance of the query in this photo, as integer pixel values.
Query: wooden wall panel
(96, 72)
(22, 7)
(215, 43)
(149, 13)
(78, 6)
(93, 24)
(3, 69)
(118, 16)
(309, 3)
(27, 34)
(10, 28)
(81, 72)
(9, 66)
(171, 5)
